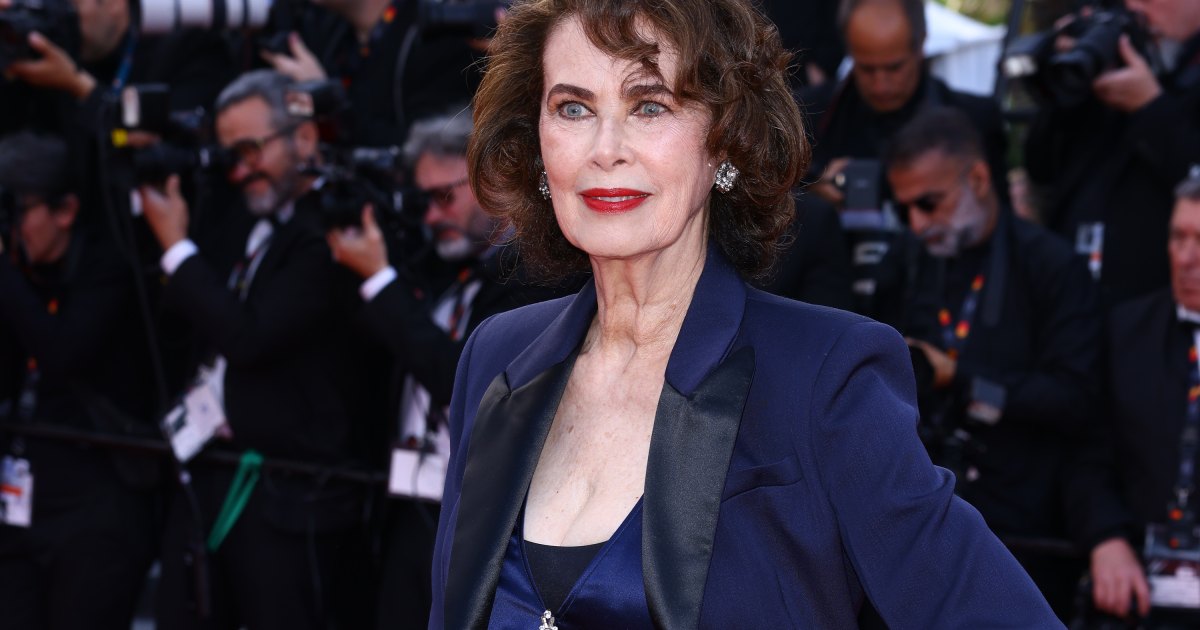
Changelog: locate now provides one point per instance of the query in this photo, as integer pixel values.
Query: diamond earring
(544, 186)
(726, 175)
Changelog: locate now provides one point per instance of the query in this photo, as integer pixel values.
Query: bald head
(884, 38)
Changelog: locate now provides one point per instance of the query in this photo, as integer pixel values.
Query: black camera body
(353, 178)
(185, 145)
(56, 19)
(1064, 79)
(473, 18)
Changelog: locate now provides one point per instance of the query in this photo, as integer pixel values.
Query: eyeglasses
(249, 151)
(925, 204)
(443, 196)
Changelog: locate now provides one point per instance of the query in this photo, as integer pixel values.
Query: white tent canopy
(962, 52)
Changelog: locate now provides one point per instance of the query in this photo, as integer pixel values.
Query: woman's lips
(613, 200)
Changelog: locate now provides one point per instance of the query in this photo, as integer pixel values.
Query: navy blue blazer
(785, 484)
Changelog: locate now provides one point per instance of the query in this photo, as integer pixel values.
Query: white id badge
(1173, 574)
(417, 475)
(16, 492)
(191, 424)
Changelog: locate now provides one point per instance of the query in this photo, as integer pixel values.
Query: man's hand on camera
(825, 188)
(1116, 577)
(301, 66)
(53, 69)
(1130, 88)
(166, 211)
(361, 250)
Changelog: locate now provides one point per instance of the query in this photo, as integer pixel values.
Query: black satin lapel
(690, 450)
(509, 431)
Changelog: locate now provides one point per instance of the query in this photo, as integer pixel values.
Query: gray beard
(454, 250)
(966, 228)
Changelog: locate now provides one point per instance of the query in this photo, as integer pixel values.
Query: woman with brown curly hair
(671, 448)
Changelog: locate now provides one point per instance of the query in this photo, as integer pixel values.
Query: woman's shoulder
(788, 329)
(790, 318)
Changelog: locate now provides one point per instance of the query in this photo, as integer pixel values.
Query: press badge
(1089, 242)
(1174, 574)
(16, 492)
(191, 424)
(417, 474)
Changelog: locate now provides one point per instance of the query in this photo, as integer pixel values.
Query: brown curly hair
(730, 60)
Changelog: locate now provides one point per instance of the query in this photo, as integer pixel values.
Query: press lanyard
(237, 498)
(351, 63)
(460, 304)
(954, 335)
(126, 67)
(1190, 440)
(27, 399)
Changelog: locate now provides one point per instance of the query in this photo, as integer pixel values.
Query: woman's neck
(642, 302)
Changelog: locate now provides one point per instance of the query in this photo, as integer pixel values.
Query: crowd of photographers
(240, 237)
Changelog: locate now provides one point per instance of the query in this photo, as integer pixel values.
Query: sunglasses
(925, 204)
(443, 196)
(249, 151)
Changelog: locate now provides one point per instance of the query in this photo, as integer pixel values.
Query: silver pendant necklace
(547, 622)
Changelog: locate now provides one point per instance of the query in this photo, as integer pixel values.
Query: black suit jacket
(292, 378)
(1095, 164)
(1037, 333)
(815, 266)
(79, 320)
(1124, 479)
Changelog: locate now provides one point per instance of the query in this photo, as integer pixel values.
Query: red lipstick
(613, 200)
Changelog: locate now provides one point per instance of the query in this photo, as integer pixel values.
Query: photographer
(1005, 339)
(888, 84)
(112, 54)
(1109, 163)
(1141, 466)
(852, 122)
(279, 315)
(76, 355)
(394, 70)
(427, 335)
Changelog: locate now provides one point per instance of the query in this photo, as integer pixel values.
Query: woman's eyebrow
(643, 90)
(571, 90)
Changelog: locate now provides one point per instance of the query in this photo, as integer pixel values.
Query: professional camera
(153, 165)
(1064, 79)
(160, 17)
(468, 17)
(352, 178)
(56, 19)
(184, 146)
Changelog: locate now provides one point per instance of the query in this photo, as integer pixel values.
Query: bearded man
(1005, 331)
(295, 386)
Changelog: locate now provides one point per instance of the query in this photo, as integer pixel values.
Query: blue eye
(650, 108)
(573, 110)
